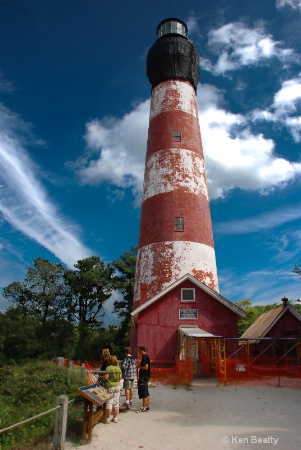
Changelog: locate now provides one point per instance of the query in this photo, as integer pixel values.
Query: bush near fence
(28, 390)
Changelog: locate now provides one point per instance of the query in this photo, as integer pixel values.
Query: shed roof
(266, 321)
(198, 283)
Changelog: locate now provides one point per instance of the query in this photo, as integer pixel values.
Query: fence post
(60, 425)
(83, 371)
(60, 361)
(70, 367)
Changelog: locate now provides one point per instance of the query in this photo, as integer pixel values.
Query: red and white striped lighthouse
(175, 228)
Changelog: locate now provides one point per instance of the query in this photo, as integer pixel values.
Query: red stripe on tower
(175, 229)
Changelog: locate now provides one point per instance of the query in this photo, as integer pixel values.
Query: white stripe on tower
(175, 226)
(174, 186)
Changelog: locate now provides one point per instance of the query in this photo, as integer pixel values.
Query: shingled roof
(266, 321)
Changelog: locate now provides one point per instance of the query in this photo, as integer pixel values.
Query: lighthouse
(175, 227)
(177, 303)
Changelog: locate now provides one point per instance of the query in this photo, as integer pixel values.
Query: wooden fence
(61, 408)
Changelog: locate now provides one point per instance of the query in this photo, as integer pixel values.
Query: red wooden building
(185, 304)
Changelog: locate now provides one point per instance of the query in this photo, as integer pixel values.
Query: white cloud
(192, 24)
(234, 156)
(237, 45)
(116, 151)
(295, 4)
(285, 99)
(24, 202)
(285, 109)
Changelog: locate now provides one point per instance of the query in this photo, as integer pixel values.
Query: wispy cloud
(261, 286)
(295, 4)
(24, 202)
(6, 86)
(261, 222)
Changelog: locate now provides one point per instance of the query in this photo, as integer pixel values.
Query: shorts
(143, 388)
(128, 384)
(113, 402)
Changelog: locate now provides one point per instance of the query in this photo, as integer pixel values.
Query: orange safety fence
(266, 362)
(240, 372)
(92, 378)
(90, 366)
(180, 373)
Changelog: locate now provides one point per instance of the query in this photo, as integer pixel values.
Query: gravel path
(206, 416)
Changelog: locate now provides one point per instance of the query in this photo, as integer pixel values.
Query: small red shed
(275, 333)
(282, 322)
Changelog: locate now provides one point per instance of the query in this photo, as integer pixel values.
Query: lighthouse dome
(173, 55)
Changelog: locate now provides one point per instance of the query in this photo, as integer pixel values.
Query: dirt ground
(206, 415)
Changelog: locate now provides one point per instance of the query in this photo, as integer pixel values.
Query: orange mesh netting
(266, 362)
(180, 373)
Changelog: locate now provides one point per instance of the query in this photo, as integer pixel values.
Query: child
(129, 372)
(112, 384)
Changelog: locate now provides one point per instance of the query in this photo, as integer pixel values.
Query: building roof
(198, 283)
(266, 321)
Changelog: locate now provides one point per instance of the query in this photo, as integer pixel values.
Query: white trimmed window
(187, 295)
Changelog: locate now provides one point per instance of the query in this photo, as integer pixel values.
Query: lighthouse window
(177, 134)
(179, 223)
(187, 295)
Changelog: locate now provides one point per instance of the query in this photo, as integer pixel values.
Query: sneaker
(142, 409)
(115, 420)
(131, 403)
(147, 408)
(108, 421)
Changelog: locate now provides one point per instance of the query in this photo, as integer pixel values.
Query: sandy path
(206, 416)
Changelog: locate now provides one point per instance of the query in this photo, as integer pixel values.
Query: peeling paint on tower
(175, 229)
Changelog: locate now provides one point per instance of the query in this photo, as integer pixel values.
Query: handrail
(32, 418)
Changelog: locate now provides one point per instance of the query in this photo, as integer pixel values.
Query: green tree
(37, 316)
(297, 305)
(89, 286)
(124, 282)
(42, 291)
(297, 269)
(252, 312)
(19, 330)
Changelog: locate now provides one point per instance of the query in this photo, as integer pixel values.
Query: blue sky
(74, 112)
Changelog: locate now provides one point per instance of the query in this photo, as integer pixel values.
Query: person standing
(112, 384)
(143, 378)
(105, 358)
(105, 353)
(129, 373)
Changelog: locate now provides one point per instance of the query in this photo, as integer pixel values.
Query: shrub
(26, 391)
